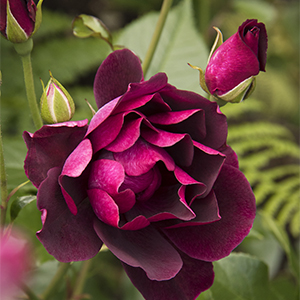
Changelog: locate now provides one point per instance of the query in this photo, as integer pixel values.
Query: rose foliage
(150, 176)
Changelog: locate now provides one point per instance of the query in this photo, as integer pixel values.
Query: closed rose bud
(56, 103)
(232, 67)
(19, 19)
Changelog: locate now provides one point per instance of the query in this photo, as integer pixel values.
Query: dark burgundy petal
(108, 175)
(102, 114)
(215, 121)
(247, 26)
(106, 132)
(65, 236)
(140, 94)
(144, 248)
(206, 211)
(114, 75)
(190, 121)
(166, 203)
(231, 157)
(50, 146)
(237, 210)
(141, 157)
(195, 277)
(74, 166)
(206, 165)
(128, 135)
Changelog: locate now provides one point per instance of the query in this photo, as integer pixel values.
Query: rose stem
(81, 279)
(156, 35)
(24, 50)
(3, 179)
(56, 280)
(31, 295)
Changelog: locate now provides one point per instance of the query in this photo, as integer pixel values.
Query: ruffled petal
(237, 210)
(144, 248)
(116, 72)
(50, 146)
(74, 166)
(141, 157)
(65, 236)
(195, 277)
(215, 121)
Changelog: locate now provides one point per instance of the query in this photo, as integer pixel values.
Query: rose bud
(56, 103)
(19, 19)
(232, 66)
(151, 177)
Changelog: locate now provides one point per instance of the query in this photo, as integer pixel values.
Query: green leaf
(179, 45)
(240, 277)
(18, 204)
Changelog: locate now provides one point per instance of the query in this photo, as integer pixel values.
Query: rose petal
(195, 277)
(104, 206)
(108, 175)
(206, 165)
(237, 210)
(128, 135)
(116, 72)
(141, 157)
(74, 167)
(65, 236)
(215, 121)
(59, 139)
(206, 211)
(144, 248)
(141, 93)
(165, 204)
(187, 121)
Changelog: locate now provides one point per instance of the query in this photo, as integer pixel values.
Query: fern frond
(269, 158)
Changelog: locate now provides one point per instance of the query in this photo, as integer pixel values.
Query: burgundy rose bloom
(23, 12)
(240, 57)
(151, 177)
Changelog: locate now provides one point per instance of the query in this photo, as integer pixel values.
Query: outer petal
(114, 75)
(50, 146)
(65, 236)
(195, 277)
(144, 248)
(216, 240)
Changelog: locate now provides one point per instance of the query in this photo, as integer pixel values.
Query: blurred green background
(263, 130)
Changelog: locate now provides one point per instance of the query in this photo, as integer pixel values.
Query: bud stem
(156, 35)
(3, 184)
(25, 54)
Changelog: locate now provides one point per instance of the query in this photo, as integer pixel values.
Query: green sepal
(86, 26)
(201, 78)
(14, 31)
(58, 107)
(38, 16)
(239, 93)
(218, 42)
(18, 204)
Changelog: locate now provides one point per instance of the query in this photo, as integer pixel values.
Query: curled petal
(144, 248)
(141, 157)
(237, 210)
(195, 277)
(60, 139)
(65, 236)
